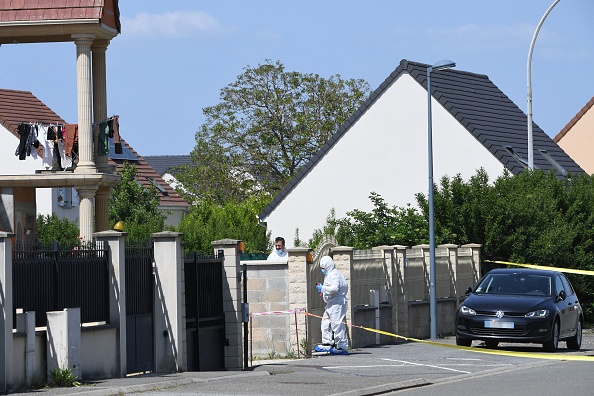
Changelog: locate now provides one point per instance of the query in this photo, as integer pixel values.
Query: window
(159, 187)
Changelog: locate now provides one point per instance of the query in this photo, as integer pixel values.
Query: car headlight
(541, 313)
(464, 310)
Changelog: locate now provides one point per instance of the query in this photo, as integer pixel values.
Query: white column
(6, 337)
(85, 102)
(102, 209)
(86, 211)
(99, 98)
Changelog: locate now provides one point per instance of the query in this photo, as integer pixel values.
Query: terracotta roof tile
(23, 106)
(24, 10)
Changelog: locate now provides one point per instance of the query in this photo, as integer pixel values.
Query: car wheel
(464, 341)
(491, 344)
(552, 344)
(575, 342)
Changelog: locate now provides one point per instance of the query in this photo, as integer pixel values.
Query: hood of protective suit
(327, 263)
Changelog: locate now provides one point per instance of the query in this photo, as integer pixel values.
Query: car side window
(558, 285)
(567, 286)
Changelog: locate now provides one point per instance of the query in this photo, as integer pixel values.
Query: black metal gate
(139, 309)
(205, 317)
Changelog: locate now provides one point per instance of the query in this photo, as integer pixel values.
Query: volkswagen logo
(499, 314)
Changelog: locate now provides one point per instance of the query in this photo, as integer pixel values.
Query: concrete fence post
(452, 255)
(115, 243)
(169, 315)
(6, 338)
(64, 341)
(476, 260)
(232, 299)
(26, 325)
(399, 296)
(299, 285)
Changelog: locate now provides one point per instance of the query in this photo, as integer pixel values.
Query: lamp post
(529, 78)
(441, 65)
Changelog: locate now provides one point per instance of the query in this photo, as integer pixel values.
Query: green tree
(267, 126)
(135, 206)
(209, 221)
(50, 228)
(384, 225)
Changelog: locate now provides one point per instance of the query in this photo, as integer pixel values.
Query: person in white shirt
(279, 253)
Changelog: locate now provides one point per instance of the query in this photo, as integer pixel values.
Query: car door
(572, 315)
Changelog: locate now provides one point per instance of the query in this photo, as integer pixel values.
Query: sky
(173, 57)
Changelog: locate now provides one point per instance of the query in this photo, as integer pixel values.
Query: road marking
(428, 365)
(362, 366)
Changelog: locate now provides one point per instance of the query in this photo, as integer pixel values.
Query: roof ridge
(15, 90)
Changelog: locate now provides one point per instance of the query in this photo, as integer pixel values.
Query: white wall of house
(385, 151)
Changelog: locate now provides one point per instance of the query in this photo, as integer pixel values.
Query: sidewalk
(273, 376)
(142, 383)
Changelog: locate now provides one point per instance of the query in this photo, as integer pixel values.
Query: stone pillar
(426, 269)
(86, 211)
(115, 242)
(400, 294)
(343, 260)
(232, 302)
(476, 260)
(63, 341)
(99, 100)
(26, 324)
(6, 337)
(299, 285)
(102, 209)
(390, 291)
(169, 315)
(85, 102)
(452, 255)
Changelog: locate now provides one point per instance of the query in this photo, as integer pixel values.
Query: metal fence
(51, 280)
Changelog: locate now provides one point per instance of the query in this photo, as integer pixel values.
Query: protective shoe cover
(338, 351)
(323, 348)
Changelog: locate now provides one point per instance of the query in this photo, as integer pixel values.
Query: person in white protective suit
(334, 291)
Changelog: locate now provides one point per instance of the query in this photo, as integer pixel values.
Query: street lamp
(529, 78)
(441, 65)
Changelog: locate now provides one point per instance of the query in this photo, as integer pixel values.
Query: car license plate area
(495, 324)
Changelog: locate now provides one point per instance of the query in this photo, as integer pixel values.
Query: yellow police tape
(568, 270)
(532, 355)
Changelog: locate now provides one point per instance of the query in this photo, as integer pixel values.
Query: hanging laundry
(114, 132)
(47, 144)
(23, 130)
(70, 136)
(103, 138)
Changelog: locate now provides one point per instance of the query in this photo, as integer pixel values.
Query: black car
(521, 305)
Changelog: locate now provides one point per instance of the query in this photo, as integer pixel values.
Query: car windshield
(515, 283)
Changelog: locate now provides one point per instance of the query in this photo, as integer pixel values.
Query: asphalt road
(415, 369)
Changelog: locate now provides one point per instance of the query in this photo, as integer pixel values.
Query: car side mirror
(468, 291)
(562, 295)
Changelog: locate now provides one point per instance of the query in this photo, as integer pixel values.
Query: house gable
(576, 137)
(478, 126)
